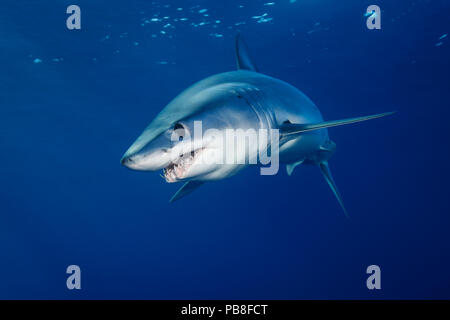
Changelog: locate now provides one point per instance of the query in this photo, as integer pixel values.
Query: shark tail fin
(293, 128)
(244, 62)
(329, 178)
(186, 189)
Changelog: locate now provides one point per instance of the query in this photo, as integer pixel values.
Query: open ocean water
(72, 101)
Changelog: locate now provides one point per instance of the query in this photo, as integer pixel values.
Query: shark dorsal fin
(242, 57)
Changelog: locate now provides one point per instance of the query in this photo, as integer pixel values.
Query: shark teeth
(177, 169)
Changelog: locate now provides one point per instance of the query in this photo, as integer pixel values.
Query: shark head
(186, 140)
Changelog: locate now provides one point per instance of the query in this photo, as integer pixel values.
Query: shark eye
(179, 132)
(178, 126)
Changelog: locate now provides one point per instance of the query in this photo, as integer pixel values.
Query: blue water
(65, 123)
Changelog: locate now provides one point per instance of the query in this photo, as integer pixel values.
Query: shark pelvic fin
(242, 57)
(291, 166)
(287, 129)
(186, 189)
(329, 178)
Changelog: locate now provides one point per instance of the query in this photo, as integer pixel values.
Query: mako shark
(241, 99)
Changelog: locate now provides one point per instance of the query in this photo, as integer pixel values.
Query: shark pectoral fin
(327, 174)
(242, 57)
(287, 129)
(186, 189)
(291, 166)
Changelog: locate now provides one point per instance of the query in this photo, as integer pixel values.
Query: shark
(242, 99)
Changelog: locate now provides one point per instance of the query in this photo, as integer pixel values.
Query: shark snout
(126, 161)
(150, 161)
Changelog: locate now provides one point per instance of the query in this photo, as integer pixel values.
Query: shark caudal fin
(288, 129)
(186, 189)
(242, 57)
(329, 178)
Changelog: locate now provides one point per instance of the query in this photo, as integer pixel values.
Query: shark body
(242, 99)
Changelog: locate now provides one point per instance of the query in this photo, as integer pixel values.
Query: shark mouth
(177, 169)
